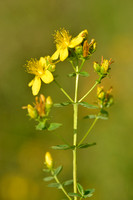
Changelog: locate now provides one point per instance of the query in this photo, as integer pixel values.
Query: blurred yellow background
(26, 29)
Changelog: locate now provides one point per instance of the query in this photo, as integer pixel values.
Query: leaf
(57, 170)
(86, 145)
(103, 115)
(74, 194)
(54, 126)
(57, 105)
(56, 185)
(41, 126)
(87, 105)
(83, 73)
(62, 147)
(80, 189)
(90, 116)
(88, 191)
(69, 182)
(72, 74)
(49, 178)
(46, 170)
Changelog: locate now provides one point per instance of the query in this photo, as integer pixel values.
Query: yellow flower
(42, 70)
(48, 160)
(64, 41)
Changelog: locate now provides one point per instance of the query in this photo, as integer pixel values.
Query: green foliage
(86, 145)
(80, 189)
(84, 74)
(57, 170)
(49, 178)
(54, 126)
(62, 104)
(62, 147)
(72, 194)
(68, 182)
(55, 185)
(87, 105)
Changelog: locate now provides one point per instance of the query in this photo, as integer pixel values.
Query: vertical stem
(75, 107)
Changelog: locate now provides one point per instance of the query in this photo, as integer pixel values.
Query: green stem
(62, 188)
(75, 107)
(89, 91)
(94, 122)
(83, 61)
(64, 92)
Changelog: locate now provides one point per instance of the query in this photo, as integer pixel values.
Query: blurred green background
(26, 29)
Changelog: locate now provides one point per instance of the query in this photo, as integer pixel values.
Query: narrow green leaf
(83, 73)
(46, 170)
(74, 194)
(86, 145)
(69, 182)
(90, 116)
(80, 189)
(54, 126)
(62, 147)
(102, 117)
(62, 104)
(49, 178)
(57, 170)
(72, 74)
(56, 185)
(88, 195)
(87, 105)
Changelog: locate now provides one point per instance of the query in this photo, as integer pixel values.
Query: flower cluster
(103, 68)
(105, 99)
(40, 111)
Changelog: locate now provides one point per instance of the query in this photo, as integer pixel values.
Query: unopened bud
(104, 67)
(31, 111)
(49, 102)
(96, 66)
(48, 160)
(100, 93)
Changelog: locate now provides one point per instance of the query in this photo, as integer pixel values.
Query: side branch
(64, 92)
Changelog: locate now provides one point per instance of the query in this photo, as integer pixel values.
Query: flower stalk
(77, 50)
(75, 107)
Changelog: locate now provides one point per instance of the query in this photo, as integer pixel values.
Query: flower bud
(79, 50)
(31, 111)
(96, 66)
(100, 93)
(104, 66)
(49, 102)
(48, 160)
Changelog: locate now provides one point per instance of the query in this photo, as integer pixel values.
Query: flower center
(62, 38)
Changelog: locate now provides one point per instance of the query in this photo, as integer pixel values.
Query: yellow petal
(31, 83)
(36, 85)
(55, 56)
(42, 61)
(47, 77)
(63, 54)
(79, 39)
(76, 41)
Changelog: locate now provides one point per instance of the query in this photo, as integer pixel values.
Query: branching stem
(64, 92)
(62, 188)
(94, 122)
